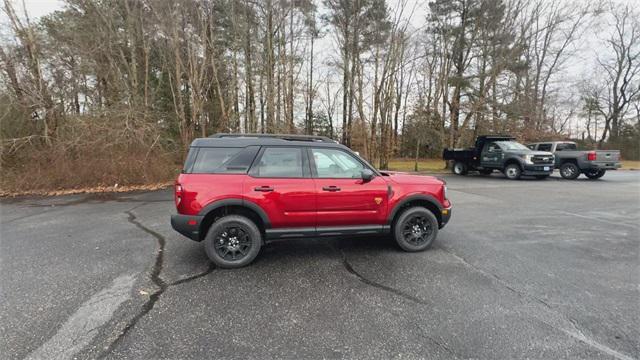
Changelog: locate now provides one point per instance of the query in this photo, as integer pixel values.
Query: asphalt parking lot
(525, 269)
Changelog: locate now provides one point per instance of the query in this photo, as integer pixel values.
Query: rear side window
(566, 146)
(544, 147)
(223, 160)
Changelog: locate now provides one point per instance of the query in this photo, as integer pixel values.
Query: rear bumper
(604, 166)
(445, 215)
(537, 170)
(187, 225)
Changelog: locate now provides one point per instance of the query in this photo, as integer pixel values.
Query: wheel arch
(512, 161)
(423, 200)
(224, 207)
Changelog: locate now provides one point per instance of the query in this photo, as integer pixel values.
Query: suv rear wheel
(233, 241)
(415, 229)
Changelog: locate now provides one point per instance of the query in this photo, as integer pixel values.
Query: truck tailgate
(607, 156)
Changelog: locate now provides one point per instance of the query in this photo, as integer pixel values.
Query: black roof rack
(290, 137)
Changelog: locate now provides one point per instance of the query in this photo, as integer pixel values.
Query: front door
(280, 183)
(343, 197)
(491, 156)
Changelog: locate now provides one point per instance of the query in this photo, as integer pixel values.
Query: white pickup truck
(573, 162)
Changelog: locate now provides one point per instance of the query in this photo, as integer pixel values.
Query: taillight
(591, 156)
(178, 193)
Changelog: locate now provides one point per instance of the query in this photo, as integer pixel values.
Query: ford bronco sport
(238, 191)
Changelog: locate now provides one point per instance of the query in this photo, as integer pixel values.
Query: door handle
(331, 188)
(263, 188)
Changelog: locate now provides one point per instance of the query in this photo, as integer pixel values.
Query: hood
(410, 179)
(529, 152)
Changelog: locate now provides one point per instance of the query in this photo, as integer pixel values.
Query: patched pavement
(525, 269)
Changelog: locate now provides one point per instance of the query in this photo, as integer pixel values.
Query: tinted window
(544, 147)
(492, 147)
(566, 146)
(279, 162)
(331, 163)
(223, 160)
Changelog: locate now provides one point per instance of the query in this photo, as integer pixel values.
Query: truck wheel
(512, 171)
(486, 171)
(415, 229)
(233, 241)
(460, 168)
(569, 171)
(595, 174)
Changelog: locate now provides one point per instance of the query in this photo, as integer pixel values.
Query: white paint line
(78, 331)
(578, 335)
(598, 219)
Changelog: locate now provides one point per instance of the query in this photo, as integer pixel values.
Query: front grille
(542, 159)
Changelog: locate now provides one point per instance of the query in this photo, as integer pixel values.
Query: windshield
(511, 145)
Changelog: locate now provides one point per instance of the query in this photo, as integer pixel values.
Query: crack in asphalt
(347, 265)
(161, 284)
(575, 332)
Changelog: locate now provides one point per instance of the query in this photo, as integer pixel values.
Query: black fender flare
(513, 160)
(237, 202)
(408, 199)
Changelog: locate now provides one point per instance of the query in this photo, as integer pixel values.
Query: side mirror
(367, 174)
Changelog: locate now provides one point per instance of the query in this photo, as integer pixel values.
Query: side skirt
(290, 233)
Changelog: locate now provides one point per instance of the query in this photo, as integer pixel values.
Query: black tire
(595, 174)
(541, 177)
(460, 168)
(486, 171)
(512, 171)
(233, 241)
(415, 229)
(569, 171)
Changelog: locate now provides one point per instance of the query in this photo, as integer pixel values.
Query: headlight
(444, 191)
(527, 159)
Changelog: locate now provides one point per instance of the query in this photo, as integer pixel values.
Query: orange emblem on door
(378, 200)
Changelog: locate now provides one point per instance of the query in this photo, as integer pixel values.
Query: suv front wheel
(415, 229)
(233, 241)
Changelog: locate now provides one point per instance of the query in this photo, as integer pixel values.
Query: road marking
(78, 331)
(598, 219)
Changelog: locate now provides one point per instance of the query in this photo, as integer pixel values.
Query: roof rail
(290, 137)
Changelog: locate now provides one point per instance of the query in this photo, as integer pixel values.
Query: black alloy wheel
(233, 241)
(415, 229)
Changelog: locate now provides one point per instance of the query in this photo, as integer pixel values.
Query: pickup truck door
(491, 156)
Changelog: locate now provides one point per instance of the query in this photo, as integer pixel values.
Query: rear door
(343, 197)
(280, 183)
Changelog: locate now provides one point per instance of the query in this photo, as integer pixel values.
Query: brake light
(591, 156)
(178, 193)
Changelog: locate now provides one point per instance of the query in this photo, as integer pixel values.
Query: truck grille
(542, 159)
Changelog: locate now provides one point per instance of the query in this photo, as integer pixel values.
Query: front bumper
(537, 169)
(187, 225)
(445, 215)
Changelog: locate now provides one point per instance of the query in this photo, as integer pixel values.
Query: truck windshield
(511, 145)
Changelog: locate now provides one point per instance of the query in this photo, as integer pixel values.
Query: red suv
(239, 191)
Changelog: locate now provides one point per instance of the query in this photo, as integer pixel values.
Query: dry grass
(630, 164)
(431, 165)
(437, 165)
